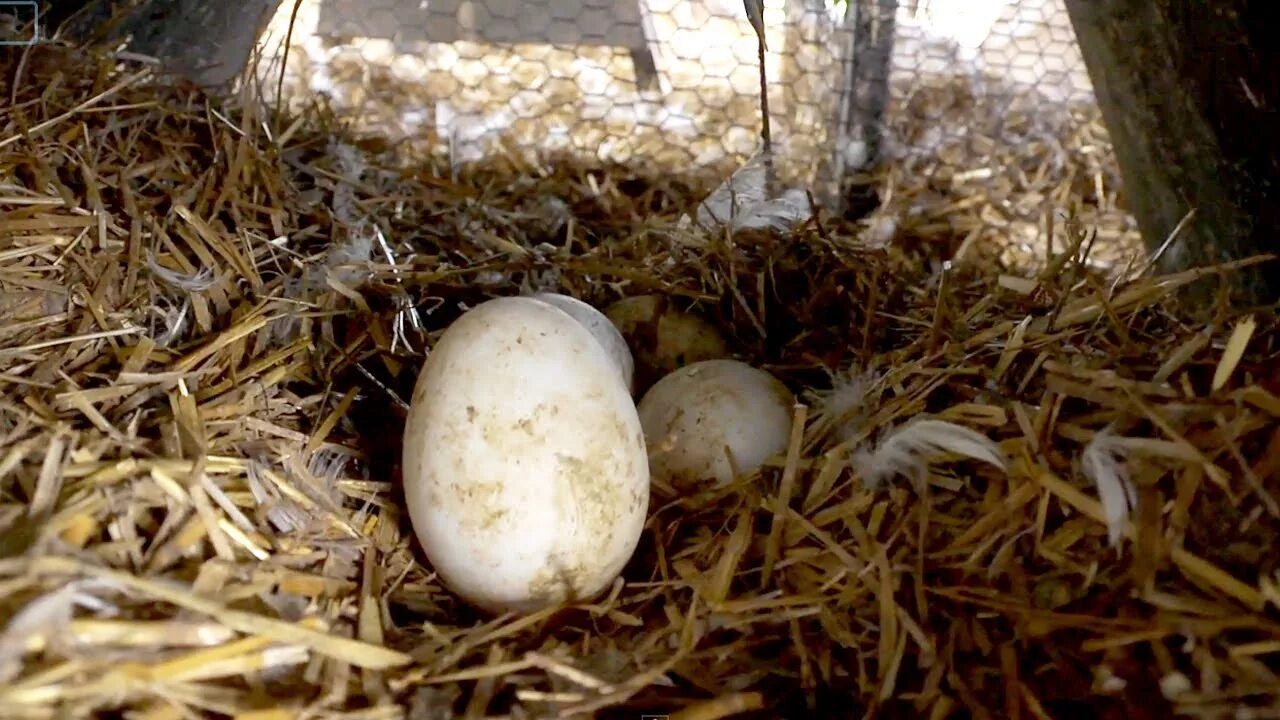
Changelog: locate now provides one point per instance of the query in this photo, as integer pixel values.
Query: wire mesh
(675, 83)
(670, 82)
(975, 117)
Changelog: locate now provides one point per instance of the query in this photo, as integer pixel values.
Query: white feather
(780, 213)
(744, 188)
(842, 409)
(46, 618)
(199, 282)
(742, 202)
(911, 448)
(1103, 462)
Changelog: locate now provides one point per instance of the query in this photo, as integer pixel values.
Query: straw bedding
(211, 318)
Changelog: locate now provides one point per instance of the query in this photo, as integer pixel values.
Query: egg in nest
(525, 467)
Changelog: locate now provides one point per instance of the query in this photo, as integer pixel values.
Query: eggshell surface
(604, 331)
(525, 469)
(663, 338)
(709, 419)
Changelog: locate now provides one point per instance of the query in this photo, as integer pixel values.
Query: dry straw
(211, 319)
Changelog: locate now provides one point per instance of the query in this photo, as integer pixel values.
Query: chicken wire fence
(674, 84)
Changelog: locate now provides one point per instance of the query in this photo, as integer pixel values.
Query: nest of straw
(211, 319)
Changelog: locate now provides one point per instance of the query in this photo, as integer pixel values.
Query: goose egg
(525, 467)
(714, 420)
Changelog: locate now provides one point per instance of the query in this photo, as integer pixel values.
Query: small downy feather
(1103, 462)
(910, 449)
(841, 410)
(346, 259)
(198, 282)
(49, 617)
(285, 513)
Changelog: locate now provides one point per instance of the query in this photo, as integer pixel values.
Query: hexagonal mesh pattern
(676, 82)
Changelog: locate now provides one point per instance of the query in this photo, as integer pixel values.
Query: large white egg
(713, 420)
(525, 468)
(604, 331)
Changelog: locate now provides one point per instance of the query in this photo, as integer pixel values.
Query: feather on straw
(780, 213)
(1103, 462)
(46, 618)
(742, 201)
(842, 409)
(910, 449)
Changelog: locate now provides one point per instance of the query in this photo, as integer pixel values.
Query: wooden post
(868, 28)
(1190, 93)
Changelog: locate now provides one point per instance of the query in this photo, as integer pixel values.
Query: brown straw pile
(210, 320)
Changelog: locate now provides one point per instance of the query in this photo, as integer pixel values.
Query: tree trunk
(1189, 92)
(206, 42)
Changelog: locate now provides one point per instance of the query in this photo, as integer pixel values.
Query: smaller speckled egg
(707, 420)
(663, 338)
